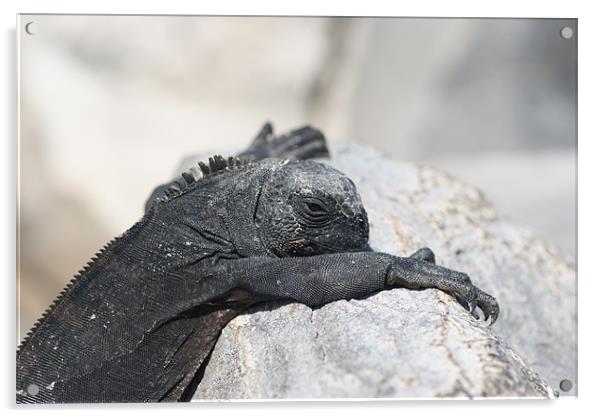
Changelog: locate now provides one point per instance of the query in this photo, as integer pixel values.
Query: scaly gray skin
(138, 323)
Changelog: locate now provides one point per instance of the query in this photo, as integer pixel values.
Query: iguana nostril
(347, 210)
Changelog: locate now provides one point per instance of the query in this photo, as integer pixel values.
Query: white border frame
(589, 207)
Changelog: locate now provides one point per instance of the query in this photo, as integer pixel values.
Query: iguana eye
(315, 208)
(313, 211)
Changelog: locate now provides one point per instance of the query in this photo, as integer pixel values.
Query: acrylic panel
(397, 220)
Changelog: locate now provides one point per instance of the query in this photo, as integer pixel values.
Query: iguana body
(139, 321)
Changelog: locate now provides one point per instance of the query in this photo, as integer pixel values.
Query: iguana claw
(414, 273)
(472, 306)
(471, 297)
(488, 305)
(484, 302)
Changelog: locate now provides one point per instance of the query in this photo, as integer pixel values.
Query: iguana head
(308, 208)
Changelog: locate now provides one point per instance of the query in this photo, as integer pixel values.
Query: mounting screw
(566, 32)
(566, 385)
(31, 28)
(33, 390)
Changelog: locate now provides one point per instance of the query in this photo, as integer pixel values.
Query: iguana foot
(424, 254)
(414, 273)
(301, 144)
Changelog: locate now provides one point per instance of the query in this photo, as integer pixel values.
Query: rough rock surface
(404, 343)
(397, 343)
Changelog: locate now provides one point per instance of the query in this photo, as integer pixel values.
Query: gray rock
(397, 343)
(403, 343)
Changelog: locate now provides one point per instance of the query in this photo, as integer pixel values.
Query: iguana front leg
(321, 279)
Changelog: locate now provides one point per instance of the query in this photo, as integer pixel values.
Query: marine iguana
(138, 323)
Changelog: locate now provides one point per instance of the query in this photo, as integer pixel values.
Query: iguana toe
(488, 305)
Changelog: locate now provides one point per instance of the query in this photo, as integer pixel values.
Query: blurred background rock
(109, 106)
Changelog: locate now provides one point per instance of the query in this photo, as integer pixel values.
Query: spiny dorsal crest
(62, 295)
(216, 166)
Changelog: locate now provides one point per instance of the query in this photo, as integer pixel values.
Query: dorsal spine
(216, 165)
